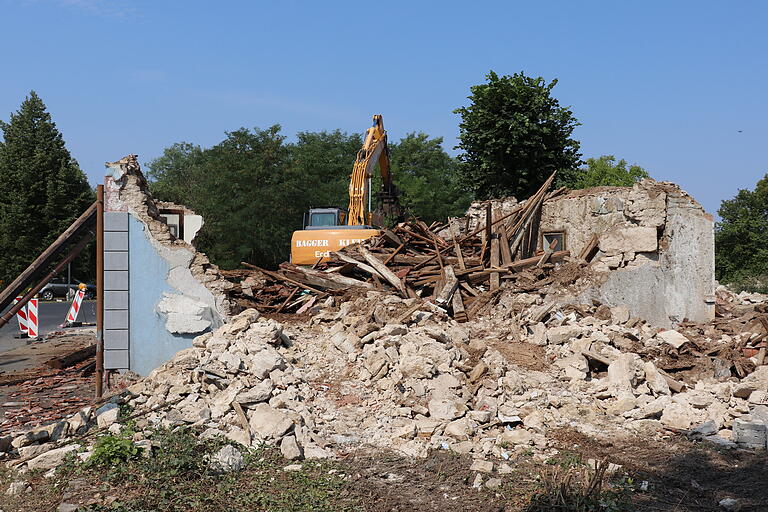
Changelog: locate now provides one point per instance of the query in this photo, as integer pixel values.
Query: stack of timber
(459, 273)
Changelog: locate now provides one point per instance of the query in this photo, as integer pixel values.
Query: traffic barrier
(74, 309)
(32, 319)
(21, 316)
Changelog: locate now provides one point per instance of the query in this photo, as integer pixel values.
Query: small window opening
(553, 236)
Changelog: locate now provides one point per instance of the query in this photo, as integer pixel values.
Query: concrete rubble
(383, 368)
(342, 381)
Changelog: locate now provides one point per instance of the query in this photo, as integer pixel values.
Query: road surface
(52, 314)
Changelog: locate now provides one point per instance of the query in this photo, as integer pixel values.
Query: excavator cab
(322, 218)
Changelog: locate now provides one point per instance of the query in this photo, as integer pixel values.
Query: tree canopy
(513, 135)
(741, 239)
(428, 178)
(42, 188)
(253, 188)
(605, 171)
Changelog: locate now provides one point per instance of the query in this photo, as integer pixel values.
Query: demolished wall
(159, 291)
(655, 247)
(656, 241)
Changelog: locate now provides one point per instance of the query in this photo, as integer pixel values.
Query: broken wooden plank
(323, 279)
(382, 269)
(590, 249)
(72, 358)
(348, 259)
(495, 261)
(459, 313)
(450, 283)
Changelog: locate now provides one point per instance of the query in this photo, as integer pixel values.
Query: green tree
(428, 178)
(42, 188)
(323, 162)
(172, 174)
(514, 134)
(605, 171)
(741, 239)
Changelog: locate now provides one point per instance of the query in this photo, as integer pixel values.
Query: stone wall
(656, 248)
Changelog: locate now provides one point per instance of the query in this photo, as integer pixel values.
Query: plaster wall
(656, 248)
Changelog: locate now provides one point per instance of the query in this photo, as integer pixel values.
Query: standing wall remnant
(159, 292)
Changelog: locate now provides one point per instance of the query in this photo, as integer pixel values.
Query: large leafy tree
(606, 171)
(42, 188)
(513, 135)
(253, 188)
(741, 239)
(428, 178)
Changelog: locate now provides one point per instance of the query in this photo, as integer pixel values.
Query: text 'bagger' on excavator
(327, 230)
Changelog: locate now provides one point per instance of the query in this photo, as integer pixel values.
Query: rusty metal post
(99, 290)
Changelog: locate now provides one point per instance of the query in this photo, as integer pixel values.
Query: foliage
(741, 239)
(254, 187)
(605, 171)
(111, 450)
(514, 134)
(427, 178)
(177, 477)
(571, 489)
(42, 188)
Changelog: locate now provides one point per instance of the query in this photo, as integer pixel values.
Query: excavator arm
(374, 151)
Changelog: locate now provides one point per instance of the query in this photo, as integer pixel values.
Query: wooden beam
(383, 270)
(450, 283)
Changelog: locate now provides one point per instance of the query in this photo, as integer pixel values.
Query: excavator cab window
(323, 219)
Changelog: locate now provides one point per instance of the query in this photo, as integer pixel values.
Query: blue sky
(666, 85)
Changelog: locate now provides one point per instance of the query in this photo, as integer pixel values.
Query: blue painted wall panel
(151, 344)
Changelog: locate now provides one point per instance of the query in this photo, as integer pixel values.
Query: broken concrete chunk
(483, 466)
(656, 382)
(52, 458)
(290, 449)
(625, 372)
(446, 409)
(672, 337)
(227, 460)
(268, 422)
(107, 415)
(749, 433)
(184, 315)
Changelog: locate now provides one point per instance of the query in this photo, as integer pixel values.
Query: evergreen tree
(42, 188)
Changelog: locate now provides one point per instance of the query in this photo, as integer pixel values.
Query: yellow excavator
(327, 230)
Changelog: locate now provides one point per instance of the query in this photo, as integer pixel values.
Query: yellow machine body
(310, 245)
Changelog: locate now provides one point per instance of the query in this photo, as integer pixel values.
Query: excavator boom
(327, 230)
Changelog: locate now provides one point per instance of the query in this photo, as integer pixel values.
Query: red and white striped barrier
(74, 309)
(21, 316)
(32, 318)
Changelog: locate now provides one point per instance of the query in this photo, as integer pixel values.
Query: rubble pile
(454, 264)
(399, 373)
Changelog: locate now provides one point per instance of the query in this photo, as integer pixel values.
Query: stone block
(116, 319)
(116, 339)
(629, 239)
(749, 433)
(117, 260)
(115, 280)
(116, 359)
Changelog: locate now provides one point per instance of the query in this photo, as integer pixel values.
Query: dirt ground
(683, 475)
(34, 394)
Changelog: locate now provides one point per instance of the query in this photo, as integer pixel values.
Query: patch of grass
(571, 489)
(566, 459)
(177, 477)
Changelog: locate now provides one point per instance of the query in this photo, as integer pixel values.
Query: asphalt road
(52, 314)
